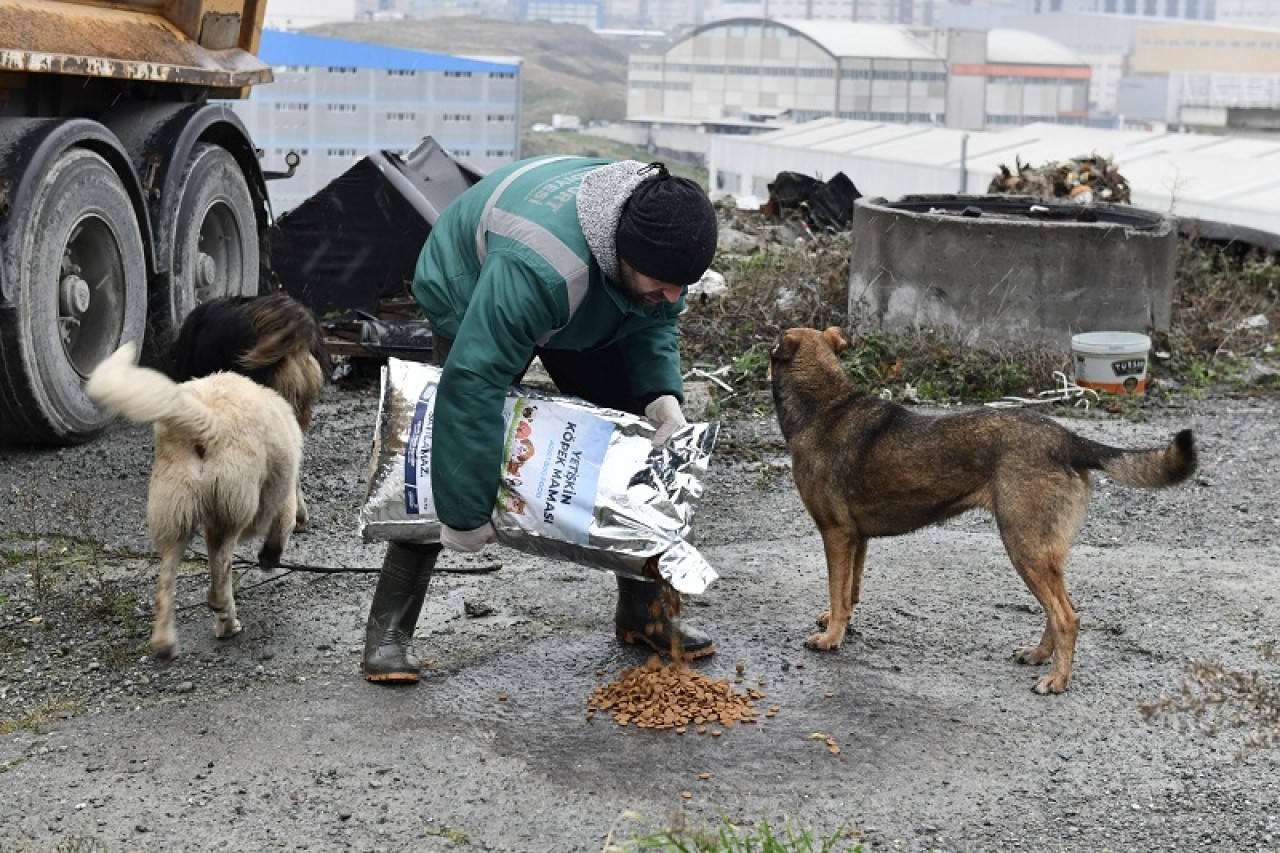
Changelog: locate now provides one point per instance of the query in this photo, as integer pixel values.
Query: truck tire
(81, 289)
(215, 242)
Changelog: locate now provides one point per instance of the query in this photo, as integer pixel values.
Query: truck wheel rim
(91, 294)
(219, 252)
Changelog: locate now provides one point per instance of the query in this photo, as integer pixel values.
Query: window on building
(402, 116)
(292, 107)
(401, 72)
(502, 75)
(341, 69)
(458, 74)
(341, 108)
(341, 152)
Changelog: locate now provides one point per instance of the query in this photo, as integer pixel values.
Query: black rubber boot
(640, 619)
(397, 601)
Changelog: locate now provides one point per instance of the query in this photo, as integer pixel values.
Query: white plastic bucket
(1111, 361)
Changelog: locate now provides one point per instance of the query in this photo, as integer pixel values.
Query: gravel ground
(271, 740)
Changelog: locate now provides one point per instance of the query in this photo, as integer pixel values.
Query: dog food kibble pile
(673, 696)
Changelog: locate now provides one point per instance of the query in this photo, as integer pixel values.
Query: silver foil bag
(579, 482)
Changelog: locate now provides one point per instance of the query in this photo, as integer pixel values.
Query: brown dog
(227, 452)
(274, 340)
(866, 467)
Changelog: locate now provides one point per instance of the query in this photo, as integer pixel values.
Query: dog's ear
(785, 348)
(835, 339)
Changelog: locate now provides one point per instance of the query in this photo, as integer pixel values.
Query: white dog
(227, 452)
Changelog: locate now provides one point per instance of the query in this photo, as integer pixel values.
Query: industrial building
(335, 101)
(1204, 76)
(1179, 62)
(744, 75)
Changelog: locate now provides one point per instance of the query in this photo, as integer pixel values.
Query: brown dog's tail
(146, 396)
(1153, 469)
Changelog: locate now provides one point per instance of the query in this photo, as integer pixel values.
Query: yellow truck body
(211, 43)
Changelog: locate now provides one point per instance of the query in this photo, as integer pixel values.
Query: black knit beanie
(667, 229)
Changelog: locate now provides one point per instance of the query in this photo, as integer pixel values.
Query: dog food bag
(579, 482)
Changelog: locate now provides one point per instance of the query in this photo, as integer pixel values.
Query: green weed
(41, 716)
(730, 837)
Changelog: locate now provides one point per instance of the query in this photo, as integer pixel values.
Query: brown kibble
(740, 667)
(502, 697)
(673, 696)
(658, 696)
(762, 682)
(829, 694)
(688, 795)
(704, 776)
(716, 733)
(833, 749)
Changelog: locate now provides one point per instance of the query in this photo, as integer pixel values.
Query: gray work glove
(665, 415)
(468, 541)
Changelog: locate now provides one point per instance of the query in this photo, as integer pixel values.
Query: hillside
(567, 68)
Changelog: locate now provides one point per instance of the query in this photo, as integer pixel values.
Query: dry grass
(1215, 699)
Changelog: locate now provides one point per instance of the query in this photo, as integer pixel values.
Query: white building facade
(333, 102)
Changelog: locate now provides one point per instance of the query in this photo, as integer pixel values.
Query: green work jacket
(526, 258)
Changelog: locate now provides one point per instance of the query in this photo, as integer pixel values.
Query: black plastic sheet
(356, 241)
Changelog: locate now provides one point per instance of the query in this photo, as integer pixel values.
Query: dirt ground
(271, 740)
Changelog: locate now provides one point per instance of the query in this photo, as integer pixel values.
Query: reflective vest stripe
(576, 273)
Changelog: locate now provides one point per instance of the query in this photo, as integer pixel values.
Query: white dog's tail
(146, 396)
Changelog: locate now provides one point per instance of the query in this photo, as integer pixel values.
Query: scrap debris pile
(821, 205)
(1083, 180)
